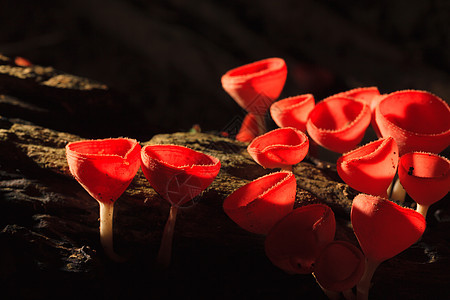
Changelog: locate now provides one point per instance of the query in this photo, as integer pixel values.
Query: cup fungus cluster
(106, 167)
(412, 128)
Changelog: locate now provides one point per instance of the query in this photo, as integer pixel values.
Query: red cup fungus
(369, 95)
(22, 62)
(371, 168)
(178, 174)
(338, 123)
(104, 168)
(250, 128)
(339, 266)
(383, 229)
(294, 243)
(425, 177)
(258, 205)
(256, 85)
(417, 120)
(293, 111)
(279, 148)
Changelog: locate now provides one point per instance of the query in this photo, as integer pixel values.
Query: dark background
(167, 57)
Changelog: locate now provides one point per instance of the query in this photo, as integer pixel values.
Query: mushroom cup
(279, 148)
(178, 173)
(105, 167)
(261, 203)
(293, 111)
(338, 123)
(425, 177)
(256, 85)
(339, 267)
(370, 168)
(295, 242)
(369, 95)
(417, 120)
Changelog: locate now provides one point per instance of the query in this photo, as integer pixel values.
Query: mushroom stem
(106, 230)
(261, 123)
(165, 251)
(389, 189)
(398, 192)
(362, 289)
(422, 209)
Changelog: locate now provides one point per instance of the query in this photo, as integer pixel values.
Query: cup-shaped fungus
(178, 174)
(293, 111)
(338, 123)
(258, 205)
(279, 148)
(256, 85)
(425, 177)
(104, 168)
(370, 95)
(383, 229)
(249, 128)
(339, 267)
(417, 120)
(294, 243)
(371, 168)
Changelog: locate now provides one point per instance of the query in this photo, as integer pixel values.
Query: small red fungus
(338, 123)
(339, 267)
(370, 95)
(22, 62)
(250, 128)
(104, 168)
(417, 120)
(279, 148)
(293, 111)
(258, 205)
(371, 168)
(425, 177)
(294, 243)
(256, 85)
(178, 174)
(383, 229)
